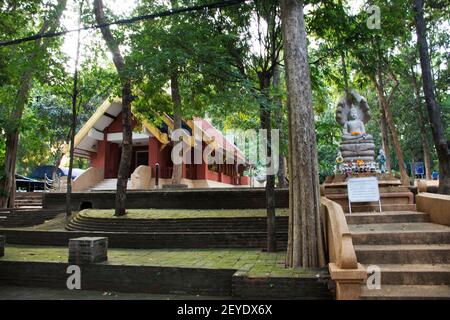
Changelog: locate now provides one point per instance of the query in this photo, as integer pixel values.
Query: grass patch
(253, 261)
(181, 213)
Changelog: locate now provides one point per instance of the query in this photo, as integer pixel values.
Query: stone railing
(88, 179)
(344, 268)
(436, 205)
(141, 178)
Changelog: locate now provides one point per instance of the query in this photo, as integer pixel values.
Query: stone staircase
(239, 224)
(108, 185)
(28, 199)
(26, 217)
(412, 253)
(239, 232)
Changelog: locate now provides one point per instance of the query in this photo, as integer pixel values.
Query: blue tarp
(39, 172)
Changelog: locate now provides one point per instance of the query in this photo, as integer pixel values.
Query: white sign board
(363, 190)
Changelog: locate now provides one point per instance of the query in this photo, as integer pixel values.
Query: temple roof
(93, 130)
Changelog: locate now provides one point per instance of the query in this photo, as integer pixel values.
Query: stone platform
(184, 221)
(238, 273)
(394, 196)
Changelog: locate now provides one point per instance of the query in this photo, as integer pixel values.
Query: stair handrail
(51, 184)
(340, 245)
(48, 183)
(343, 265)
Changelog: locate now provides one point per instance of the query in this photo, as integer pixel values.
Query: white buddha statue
(354, 127)
(352, 113)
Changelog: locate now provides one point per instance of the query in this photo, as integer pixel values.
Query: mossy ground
(253, 261)
(181, 213)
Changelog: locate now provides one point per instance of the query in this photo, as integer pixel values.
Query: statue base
(394, 196)
(358, 149)
(342, 178)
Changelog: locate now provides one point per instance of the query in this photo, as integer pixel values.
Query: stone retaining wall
(146, 279)
(167, 280)
(237, 198)
(147, 240)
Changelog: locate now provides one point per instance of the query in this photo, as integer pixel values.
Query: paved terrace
(253, 261)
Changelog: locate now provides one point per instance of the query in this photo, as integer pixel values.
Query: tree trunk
(421, 121)
(344, 74)
(305, 244)
(73, 125)
(390, 124)
(12, 137)
(434, 110)
(385, 139)
(9, 182)
(127, 139)
(177, 171)
(265, 120)
(282, 182)
(281, 174)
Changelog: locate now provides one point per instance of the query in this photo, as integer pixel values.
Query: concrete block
(87, 250)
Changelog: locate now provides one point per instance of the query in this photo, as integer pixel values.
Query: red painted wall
(98, 159)
(108, 157)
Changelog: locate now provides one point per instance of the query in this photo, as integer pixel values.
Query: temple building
(100, 141)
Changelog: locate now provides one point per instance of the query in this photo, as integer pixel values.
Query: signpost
(363, 190)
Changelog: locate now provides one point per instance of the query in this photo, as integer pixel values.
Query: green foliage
(190, 46)
(219, 70)
(328, 136)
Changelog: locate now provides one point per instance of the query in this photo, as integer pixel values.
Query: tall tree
(266, 65)
(305, 243)
(385, 138)
(282, 183)
(50, 24)
(125, 80)
(257, 69)
(376, 64)
(181, 54)
(441, 143)
(177, 172)
(385, 103)
(73, 125)
(422, 125)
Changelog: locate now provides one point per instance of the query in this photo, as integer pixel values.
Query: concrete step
(387, 217)
(415, 274)
(403, 254)
(177, 226)
(385, 207)
(108, 184)
(400, 233)
(33, 195)
(407, 292)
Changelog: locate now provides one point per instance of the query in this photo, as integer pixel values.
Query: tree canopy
(221, 58)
